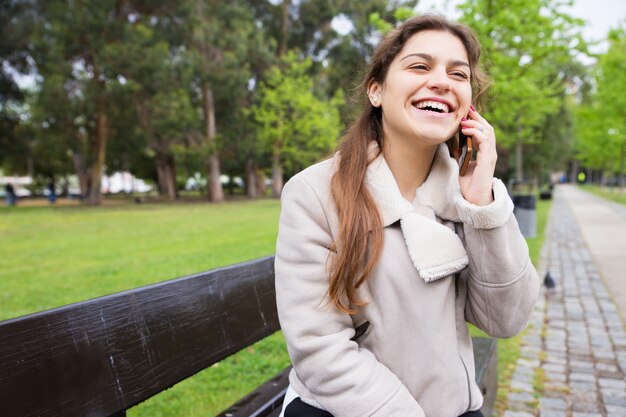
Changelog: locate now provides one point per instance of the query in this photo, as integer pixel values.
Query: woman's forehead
(440, 45)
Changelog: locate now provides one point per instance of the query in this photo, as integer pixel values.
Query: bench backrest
(102, 356)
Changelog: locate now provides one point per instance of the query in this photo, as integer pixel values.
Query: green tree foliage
(155, 90)
(163, 88)
(71, 44)
(601, 120)
(529, 47)
(593, 145)
(59, 134)
(338, 59)
(400, 14)
(611, 82)
(294, 126)
(16, 25)
(229, 51)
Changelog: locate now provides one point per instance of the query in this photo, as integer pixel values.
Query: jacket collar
(435, 250)
(439, 192)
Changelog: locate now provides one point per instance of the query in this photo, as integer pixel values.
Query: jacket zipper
(469, 388)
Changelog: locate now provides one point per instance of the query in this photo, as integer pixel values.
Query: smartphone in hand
(465, 146)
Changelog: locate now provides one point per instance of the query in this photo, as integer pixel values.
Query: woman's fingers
(477, 182)
(474, 115)
(481, 131)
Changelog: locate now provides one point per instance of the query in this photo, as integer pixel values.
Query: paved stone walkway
(573, 357)
(603, 225)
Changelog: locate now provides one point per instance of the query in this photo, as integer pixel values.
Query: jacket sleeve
(502, 284)
(344, 379)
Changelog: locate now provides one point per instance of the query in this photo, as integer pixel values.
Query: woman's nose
(439, 80)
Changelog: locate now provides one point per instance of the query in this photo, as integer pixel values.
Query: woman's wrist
(481, 199)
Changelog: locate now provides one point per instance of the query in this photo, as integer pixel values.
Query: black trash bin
(526, 214)
(545, 195)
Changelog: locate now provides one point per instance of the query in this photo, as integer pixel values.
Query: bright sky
(601, 15)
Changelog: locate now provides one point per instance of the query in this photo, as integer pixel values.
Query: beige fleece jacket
(415, 359)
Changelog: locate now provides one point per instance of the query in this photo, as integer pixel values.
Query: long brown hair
(360, 238)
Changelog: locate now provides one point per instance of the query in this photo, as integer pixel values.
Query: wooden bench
(102, 356)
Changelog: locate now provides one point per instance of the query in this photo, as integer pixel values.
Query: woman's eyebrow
(430, 58)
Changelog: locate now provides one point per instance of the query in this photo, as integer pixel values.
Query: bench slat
(486, 363)
(102, 356)
(263, 401)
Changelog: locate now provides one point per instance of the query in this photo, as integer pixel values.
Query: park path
(603, 225)
(573, 357)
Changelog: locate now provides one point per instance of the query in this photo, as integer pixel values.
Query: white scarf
(435, 249)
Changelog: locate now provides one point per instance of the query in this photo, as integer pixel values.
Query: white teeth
(433, 104)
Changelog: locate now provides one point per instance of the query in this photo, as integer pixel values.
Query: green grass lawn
(57, 255)
(53, 256)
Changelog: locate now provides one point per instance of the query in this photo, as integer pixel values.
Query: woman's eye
(459, 75)
(419, 67)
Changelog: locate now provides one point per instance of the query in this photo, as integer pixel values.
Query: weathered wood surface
(265, 401)
(102, 356)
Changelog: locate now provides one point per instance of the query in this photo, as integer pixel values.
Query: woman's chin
(434, 137)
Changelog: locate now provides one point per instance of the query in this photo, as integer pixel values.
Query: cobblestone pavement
(573, 357)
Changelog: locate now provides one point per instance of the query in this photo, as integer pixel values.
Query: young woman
(384, 251)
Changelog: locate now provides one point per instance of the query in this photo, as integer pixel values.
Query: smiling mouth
(433, 106)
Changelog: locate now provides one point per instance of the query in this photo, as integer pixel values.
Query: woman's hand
(477, 182)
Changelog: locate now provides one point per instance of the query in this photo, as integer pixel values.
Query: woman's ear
(374, 93)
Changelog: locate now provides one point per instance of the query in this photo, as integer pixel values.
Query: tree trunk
(173, 187)
(277, 176)
(81, 173)
(574, 172)
(166, 175)
(216, 194)
(260, 183)
(164, 162)
(284, 28)
(251, 185)
(95, 195)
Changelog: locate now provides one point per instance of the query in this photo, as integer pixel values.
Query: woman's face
(427, 90)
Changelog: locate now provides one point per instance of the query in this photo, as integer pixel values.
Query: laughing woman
(385, 251)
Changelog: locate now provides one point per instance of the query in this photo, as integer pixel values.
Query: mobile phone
(465, 145)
